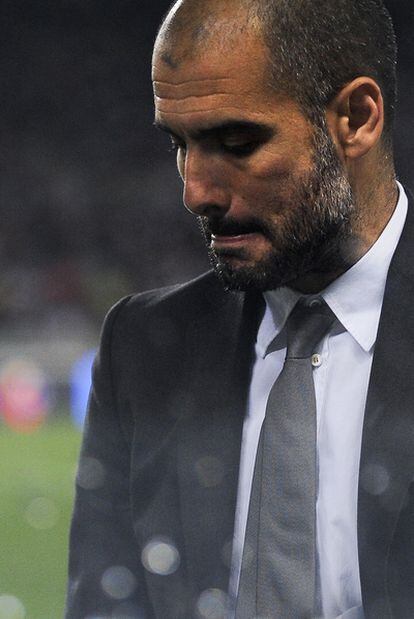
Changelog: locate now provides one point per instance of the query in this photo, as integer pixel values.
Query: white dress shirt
(341, 375)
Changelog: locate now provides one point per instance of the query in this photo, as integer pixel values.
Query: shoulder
(183, 299)
(165, 310)
(189, 297)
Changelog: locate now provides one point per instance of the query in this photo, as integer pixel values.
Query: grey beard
(317, 238)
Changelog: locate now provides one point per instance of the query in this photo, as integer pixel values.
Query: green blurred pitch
(36, 488)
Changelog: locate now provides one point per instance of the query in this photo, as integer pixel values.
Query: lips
(232, 229)
(229, 235)
(233, 241)
(230, 238)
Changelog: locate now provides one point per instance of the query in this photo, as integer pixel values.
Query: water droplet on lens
(160, 556)
(91, 474)
(42, 513)
(227, 553)
(11, 608)
(375, 479)
(118, 582)
(210, 471)
(212, 604)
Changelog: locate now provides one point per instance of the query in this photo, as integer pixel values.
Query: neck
(375, 208)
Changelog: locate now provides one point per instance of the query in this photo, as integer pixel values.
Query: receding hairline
(303, 63)
(189, 27)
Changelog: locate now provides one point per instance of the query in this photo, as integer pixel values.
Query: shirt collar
(355, 297)
(279, 304)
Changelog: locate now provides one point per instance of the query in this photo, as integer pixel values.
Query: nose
(206, 190)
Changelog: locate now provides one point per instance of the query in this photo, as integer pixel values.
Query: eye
(240, 149)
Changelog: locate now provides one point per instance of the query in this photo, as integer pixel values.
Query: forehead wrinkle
(193, 80)
(242, 117)
(199, 88)
(209, 87)
(196, 97)
(208, 111)
(216, 103)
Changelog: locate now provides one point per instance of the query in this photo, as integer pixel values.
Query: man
(281, 115)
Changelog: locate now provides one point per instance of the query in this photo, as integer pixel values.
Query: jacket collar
(387, 453)
(220, 346)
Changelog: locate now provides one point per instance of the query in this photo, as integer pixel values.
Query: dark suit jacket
(165, 422)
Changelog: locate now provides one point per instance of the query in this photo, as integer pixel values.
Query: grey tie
(277, 579)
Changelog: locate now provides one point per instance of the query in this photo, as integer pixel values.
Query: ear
(356, 117)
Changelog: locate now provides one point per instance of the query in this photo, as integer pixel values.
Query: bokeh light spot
(91, 474)
(227, 553)
(11, 608)
(213, 604)
(24, 401)
(210, 471)
(42, 513)
(118, 582)
(160, 556)
(375, 479)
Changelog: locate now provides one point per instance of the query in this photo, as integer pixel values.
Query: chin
(245, 276)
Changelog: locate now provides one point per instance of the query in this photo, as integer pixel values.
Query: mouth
(234, 241)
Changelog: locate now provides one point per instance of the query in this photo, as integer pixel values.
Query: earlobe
(356, 117)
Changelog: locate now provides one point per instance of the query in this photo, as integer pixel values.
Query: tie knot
(306, 326)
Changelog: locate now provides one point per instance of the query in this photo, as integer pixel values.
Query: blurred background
(90, 211)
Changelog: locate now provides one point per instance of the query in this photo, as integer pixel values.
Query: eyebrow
(231, 126)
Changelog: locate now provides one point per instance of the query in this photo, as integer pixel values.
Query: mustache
(232, 227)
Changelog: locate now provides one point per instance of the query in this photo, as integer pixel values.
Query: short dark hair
(315, 46)
(318, 46)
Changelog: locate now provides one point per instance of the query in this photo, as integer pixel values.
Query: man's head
(278, 117)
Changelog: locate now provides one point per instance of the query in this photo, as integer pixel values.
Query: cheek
(269, 182)
(280, 175)
(273, 196)
(280, 165)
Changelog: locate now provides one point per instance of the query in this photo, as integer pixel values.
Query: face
(269, 190)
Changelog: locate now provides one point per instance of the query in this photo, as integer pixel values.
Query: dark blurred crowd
(90, 200)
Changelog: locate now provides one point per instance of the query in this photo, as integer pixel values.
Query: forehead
(214, 77)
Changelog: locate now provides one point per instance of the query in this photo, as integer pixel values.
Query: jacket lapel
(387, 454)
(220, 347)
